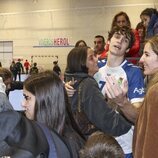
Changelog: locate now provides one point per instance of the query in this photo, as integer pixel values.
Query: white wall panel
(25, 23)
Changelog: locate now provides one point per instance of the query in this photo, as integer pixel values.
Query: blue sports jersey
(102, 62)
(135, 79)
(128, 71)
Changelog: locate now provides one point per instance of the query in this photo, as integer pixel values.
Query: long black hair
(149, 12)
(76, 60)
(49, 92)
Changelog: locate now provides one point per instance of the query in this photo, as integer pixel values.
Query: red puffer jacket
(134, 51)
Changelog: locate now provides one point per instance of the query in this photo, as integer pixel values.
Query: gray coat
(4, 106)
(4, 103)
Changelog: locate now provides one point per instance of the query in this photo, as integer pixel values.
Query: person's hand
(115, 91)
(69, 88)
(2, 86)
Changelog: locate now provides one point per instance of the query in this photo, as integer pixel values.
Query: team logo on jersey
(139, 90)
(120, 81)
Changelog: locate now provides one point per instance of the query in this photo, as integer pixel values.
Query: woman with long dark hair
(149, 17)
(45, 101)
(88, 105)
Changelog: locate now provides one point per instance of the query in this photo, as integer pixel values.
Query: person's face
(121, 21)
(145, 19)
(92, 62)
(149, 60)
(141, 32)
(28, 104)
(118, 44)
(99, 45)
(81, 44)
(7, 82)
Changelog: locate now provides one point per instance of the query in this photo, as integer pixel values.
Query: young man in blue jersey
(120, 41)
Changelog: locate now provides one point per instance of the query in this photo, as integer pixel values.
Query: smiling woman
(149, 58)
(146, 127)
(88, 105)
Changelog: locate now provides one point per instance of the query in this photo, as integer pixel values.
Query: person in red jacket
(141, 31)
(122, 19)
(27, 65)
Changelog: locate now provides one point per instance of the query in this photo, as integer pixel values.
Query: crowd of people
(102, 108)
(17, 68)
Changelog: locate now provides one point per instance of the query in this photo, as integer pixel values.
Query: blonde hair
(153, 80)
(153, 41)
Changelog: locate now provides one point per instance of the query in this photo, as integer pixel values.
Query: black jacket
(21, 137)
(95, 107)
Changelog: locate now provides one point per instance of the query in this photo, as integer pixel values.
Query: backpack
(57, 146)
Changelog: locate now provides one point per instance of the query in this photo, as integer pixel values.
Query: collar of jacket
(77, 75)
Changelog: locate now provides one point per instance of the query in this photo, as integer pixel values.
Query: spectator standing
(87, 95)
(120, 41)
(56, 68)
(141, 30)
(149, 17)
(19, 68)
(80, 43)
(121, 19)
(13, 69)
(26, 65)
(34, 69)
(99, 44)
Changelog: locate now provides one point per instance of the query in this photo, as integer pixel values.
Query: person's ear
(127, 50)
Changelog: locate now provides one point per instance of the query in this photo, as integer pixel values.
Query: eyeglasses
(97, 42)
(26, 97)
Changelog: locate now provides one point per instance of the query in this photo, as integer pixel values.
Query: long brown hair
(114, 22)
(154, 45)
